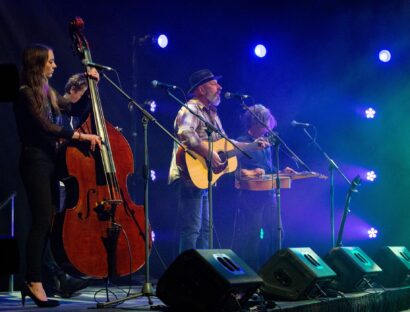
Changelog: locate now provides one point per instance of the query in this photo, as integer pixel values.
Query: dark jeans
(37, 170)
(193, 216)
(255, 237)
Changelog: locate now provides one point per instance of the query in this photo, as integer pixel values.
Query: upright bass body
(100, 233)
(84, 238)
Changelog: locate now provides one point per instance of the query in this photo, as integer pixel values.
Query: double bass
(101, 231)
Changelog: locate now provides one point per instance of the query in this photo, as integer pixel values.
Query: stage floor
(84, 301)
(388, 300)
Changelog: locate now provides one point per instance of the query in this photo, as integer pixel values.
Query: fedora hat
(200, 77)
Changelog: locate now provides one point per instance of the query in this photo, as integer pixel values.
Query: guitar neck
(247, 148)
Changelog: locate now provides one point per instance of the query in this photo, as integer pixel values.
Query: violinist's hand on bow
(93, 73)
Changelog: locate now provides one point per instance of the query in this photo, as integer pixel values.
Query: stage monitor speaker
(295, 274)
(9, 81)
(395, 263)
(9, 261)
(353, 267)
(207, 280)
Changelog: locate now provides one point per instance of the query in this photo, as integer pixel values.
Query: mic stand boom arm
(209, 126)
(147, 289)
(332, 166)
(330, 161)
(148, 115)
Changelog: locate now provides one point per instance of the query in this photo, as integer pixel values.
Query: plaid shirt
(190, 130)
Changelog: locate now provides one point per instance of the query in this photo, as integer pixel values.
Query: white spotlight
(384, 56)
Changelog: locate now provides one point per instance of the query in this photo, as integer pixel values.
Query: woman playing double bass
(38, 110)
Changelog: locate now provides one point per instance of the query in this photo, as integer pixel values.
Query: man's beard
(215, 100)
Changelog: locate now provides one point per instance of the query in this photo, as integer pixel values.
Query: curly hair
(262, 113)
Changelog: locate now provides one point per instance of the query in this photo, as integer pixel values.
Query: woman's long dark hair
(35, 58)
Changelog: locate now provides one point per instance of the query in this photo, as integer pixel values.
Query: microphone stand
(134, 93)
(352, 189)
(147, 289)
(276, 141)
(332, 167)
(278, 197)
(210, 128)
(209, 131)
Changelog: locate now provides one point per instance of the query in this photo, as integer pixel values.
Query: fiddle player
(193, 206)
(38, 110)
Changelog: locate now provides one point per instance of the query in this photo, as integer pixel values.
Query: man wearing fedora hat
(193, 209)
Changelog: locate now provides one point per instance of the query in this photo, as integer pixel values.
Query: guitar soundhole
(224, 160)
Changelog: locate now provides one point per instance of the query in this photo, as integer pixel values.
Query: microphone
(231, 95)
(295, 123)
(97, 66)
(157, 84)
(355, 183)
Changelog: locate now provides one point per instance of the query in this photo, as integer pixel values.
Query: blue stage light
(162, 41)
(384, 56)
(371, 176)
(260, 50)
(261, 233)
(372, 233)
(370, 113)
(153, 175)
(151, 104)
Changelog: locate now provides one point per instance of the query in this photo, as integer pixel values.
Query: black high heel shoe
(25, 291)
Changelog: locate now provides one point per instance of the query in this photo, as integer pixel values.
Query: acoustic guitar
(197, 170)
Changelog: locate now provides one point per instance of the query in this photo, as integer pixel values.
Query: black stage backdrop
(322, 67)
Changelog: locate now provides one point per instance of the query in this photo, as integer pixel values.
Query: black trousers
(37, 168)
(255, 235)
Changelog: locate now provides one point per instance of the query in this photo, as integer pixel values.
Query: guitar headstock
(80, 44)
